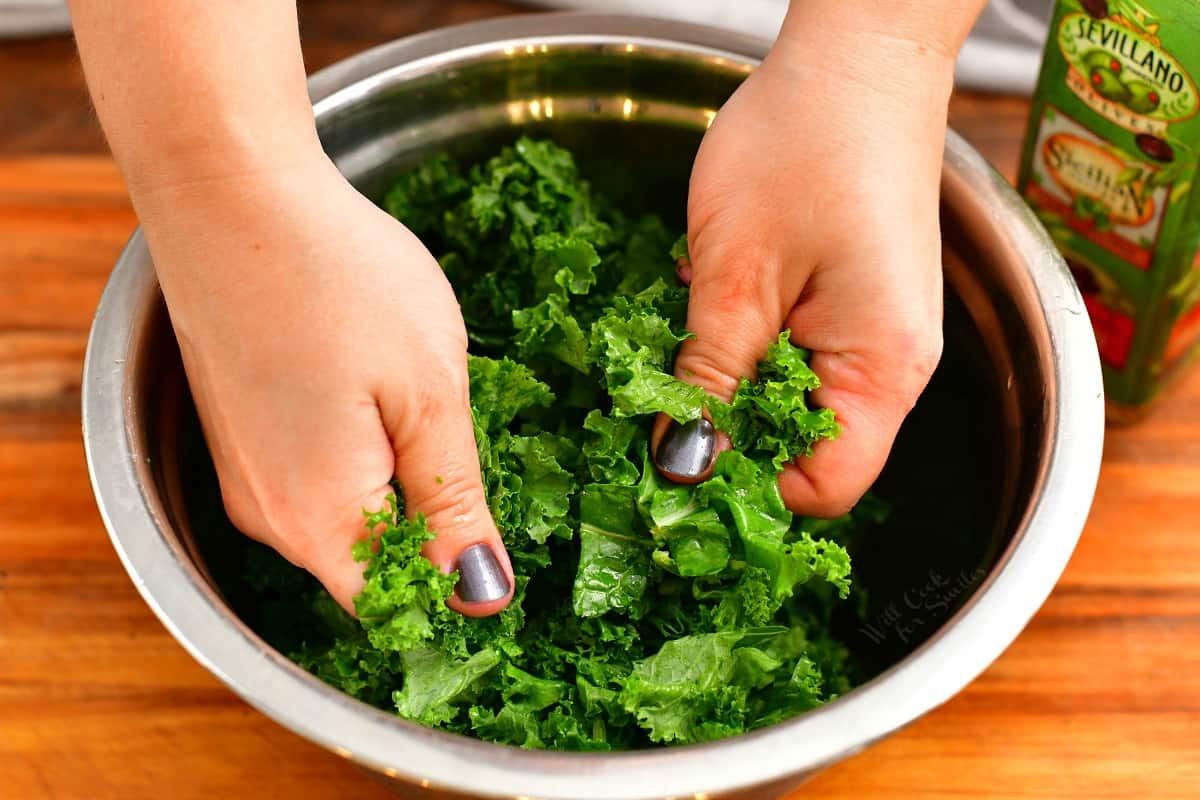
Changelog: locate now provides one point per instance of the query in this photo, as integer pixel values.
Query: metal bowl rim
(960, 650)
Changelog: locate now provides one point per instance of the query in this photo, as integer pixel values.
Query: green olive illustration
(1101, 59)
(1108, 85)
(1142, 97)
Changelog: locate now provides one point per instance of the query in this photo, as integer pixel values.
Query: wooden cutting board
(1099, 697)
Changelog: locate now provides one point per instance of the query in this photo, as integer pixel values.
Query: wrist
(905, 51)
(932, 31)
(229, 216)
(217, 151)
(188, 92)
(841, 68)
(222, 172)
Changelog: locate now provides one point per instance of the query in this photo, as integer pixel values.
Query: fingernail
(481, 579)
(683, 271)
(686, 451)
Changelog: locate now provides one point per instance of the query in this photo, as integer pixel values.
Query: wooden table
(1099, 697)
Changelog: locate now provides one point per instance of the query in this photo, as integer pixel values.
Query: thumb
(437, 465)
(734, 313)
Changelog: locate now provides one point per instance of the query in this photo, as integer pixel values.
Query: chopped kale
(645, 612)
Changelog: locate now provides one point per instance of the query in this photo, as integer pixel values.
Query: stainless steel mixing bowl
(635, 92)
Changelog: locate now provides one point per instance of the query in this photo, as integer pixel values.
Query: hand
(814, 206)
(326, 354)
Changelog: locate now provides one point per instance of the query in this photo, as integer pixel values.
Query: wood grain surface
(1098, 698)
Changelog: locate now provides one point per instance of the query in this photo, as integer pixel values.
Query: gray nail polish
(481, 579)
(686, 451)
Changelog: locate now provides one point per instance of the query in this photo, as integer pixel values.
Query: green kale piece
(634, 343)
(683, 521)
(686, 691)
(680, 248)
(644, 612)
(614, 552)
(422, 196)
(771, 415)
(545, 488)
(748, 492)
(437, 685)
(609, 446)
(501, 389)
(403, 594)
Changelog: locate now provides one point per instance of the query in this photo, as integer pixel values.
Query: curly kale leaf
(771, 416)
(404, 594)
(634, 343)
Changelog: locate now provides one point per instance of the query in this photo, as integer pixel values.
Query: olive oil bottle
(1109, 163)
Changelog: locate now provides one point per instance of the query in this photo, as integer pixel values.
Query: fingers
(286, 483)
(296, 474)
(875, 347)
(683, 271)
(872, 392)
(329, 557)
(734, 312)
(438, 466)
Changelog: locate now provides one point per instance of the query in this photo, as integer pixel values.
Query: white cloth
(33, 17)
(1003, 53)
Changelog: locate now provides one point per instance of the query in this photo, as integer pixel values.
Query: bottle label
(1100, 192)
(1118, 67)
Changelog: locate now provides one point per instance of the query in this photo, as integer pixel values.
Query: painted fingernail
(481, 579)
(686, 451)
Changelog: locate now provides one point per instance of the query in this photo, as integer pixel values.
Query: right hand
(807, 214)
(326, 354)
